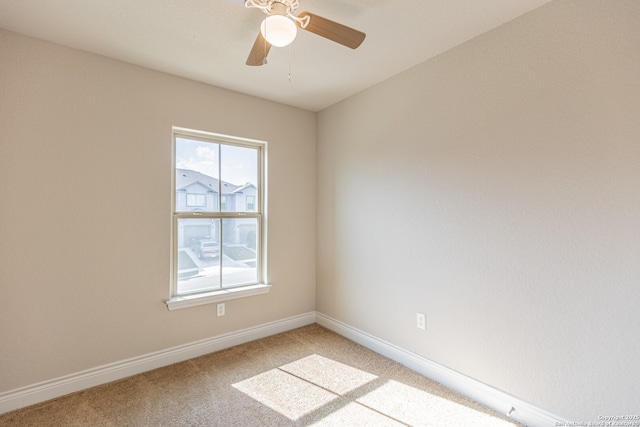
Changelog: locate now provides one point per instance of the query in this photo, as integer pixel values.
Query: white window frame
(178, 301)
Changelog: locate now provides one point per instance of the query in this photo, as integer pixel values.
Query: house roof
(241, 188)
(187, 177)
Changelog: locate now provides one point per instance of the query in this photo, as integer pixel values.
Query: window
(217, 243)
(196, 200)
(251, 203)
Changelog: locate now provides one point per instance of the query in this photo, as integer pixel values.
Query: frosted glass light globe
(278, 30)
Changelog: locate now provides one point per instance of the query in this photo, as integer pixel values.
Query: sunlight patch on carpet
(284, 393)
(418, 408)
(355, 414)
(316, 386)
(329, 374)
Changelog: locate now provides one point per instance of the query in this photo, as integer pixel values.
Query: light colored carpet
(305, 377)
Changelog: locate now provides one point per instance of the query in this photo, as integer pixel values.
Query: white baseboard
(495, 399)
(500, 401)
(57, 387)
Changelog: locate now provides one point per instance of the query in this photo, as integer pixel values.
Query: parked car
(193, 242)
(207, 249)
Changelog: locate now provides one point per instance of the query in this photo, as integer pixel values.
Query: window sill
(216, 296)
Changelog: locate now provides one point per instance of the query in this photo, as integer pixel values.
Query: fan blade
(333, 31)
(259, 51)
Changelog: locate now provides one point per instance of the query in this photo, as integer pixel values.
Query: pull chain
(289, 63)
(264, 59)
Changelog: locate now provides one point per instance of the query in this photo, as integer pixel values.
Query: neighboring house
(196, 191)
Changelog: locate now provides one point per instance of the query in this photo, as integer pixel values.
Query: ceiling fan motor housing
(279, 8)
(275, 7)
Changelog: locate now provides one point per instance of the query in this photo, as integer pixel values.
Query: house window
(251, 203)
(196, 200)
(217, 250)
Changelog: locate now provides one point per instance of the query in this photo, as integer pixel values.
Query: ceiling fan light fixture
(278, 30)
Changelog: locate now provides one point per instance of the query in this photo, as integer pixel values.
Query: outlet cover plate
(421, 321)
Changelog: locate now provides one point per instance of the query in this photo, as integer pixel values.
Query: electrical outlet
(421, 321)
(221, 309)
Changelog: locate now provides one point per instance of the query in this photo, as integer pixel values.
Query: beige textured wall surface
(496, 188)
(85, 181)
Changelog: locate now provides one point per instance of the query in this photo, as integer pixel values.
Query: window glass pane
(197, 174)
(198, 258)
(239, 243)
(239, 177)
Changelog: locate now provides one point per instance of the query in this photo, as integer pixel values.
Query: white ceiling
(209, 40)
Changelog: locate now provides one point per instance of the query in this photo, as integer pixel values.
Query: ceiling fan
(280, 27)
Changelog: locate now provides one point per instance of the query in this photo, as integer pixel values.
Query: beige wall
(496, 188)
(85, 178)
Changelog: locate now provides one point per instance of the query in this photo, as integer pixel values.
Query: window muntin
(217, 240)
